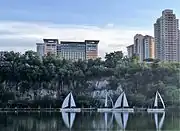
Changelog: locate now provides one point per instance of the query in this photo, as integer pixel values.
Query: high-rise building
(130, 50)
(69, 50)
(166, 32)
(148, 47)
(143, 47)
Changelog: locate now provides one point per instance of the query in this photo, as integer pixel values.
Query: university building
(69, 50)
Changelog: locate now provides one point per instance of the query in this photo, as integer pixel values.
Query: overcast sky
(114, 22)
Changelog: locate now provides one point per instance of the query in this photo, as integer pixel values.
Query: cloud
(23, 36)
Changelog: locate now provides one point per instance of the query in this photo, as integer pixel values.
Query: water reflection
(108, 122)
(68, 118)
(122, 119)
(89, 121)
(159, 120)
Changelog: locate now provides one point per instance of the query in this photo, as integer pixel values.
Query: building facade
(69, 50)
(130, 50)
(72, 50)
(166, 32)
(143, 47)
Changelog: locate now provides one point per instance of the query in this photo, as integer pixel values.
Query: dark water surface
(89, 121)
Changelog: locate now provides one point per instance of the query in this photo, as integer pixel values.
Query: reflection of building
(166, 31)
(69, 50)
(143, 47)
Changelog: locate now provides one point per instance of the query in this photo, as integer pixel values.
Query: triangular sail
(106, 101)
(156, 101)
(112, 104)
(125, 102)
(66, 119)
(66, 101)
(72, 118)
(118, 101)
(161, 100)
(125, 119)
(72, 102)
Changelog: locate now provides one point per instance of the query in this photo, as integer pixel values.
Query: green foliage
(21, 73)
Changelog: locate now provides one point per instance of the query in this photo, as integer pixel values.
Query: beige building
(130, 50)
(143, 47)
(166, 32)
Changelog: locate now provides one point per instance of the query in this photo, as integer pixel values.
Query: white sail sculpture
(122, 119)
(69, 104)
(106, 107)
(68, 118)
(159, 123)
(121, 104)
(156, 109)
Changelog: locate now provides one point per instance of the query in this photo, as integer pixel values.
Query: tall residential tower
(166, 32)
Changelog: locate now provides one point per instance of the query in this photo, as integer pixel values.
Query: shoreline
(82, 109)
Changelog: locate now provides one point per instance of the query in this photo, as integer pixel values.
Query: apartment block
(166, 32)
(143, 47)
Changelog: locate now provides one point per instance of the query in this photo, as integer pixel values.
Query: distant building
(70, 50)
(143, 47)
(51, 46)
(166, 32)
(130, 50)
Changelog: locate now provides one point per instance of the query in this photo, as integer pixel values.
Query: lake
(89, 121)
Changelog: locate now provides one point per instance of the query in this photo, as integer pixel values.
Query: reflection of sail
(108, 124)
(118, 101)
(72, 118)
(66, 101)
(72, 103)
(125, 119)
(158, 123)
(122, 119)
(65, 119)
(105, 117)
(118, 119)
(68, 119)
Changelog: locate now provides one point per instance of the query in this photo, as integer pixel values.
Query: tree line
(23, 73)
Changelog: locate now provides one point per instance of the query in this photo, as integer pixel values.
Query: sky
(23, 23)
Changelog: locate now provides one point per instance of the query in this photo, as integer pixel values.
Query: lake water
(89, 121)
